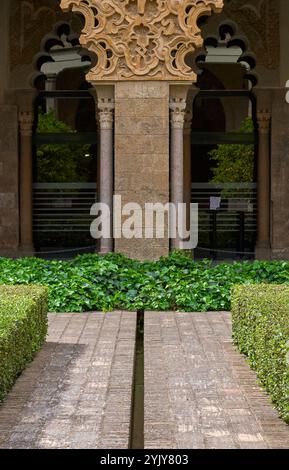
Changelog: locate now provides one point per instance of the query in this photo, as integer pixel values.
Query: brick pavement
(199, 391)
(77, 392)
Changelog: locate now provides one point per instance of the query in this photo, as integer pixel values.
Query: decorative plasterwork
(142, 39)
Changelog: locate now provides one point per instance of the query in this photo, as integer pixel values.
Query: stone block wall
(9, 213)
(280, 176)
(142, 155)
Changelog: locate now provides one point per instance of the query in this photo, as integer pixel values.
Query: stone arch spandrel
(259, 19)
(30, 21)
(259, 22)
(142, 39)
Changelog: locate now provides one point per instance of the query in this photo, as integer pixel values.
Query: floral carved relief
(145, 39)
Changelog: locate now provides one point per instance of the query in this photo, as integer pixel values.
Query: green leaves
(235, 162)
(93, 282)
(61, 163)
(261, 332)
(23, 328)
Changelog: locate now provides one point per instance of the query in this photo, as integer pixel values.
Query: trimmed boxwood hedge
(261, 332)
(23, 329)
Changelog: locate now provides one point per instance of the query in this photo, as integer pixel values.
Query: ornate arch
(260, 22)
(142, 39)
(61, 38)
(228, 36)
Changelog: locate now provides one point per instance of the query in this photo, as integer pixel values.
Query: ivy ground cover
(93, 282)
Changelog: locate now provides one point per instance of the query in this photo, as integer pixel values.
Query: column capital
(188, 120)
(192, 93)
(264, 120)
(178, 112)
(105, 112)
(26, 121)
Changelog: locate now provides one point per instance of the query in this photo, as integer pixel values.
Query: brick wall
(9, 218)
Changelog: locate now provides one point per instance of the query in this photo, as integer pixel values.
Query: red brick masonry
(199, 391)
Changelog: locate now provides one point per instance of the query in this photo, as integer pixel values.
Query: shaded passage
(199, 391)
(77, 392)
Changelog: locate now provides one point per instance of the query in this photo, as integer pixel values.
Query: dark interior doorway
(65, 171)
(224, 149)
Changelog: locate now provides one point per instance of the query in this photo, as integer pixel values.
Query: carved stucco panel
(142, 39)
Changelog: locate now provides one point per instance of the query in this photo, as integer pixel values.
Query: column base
(104, 250)
(280, 254)
(263, 252)
(26, 251)
(9, 252)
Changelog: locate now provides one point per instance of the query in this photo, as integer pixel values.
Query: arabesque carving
(142, 39)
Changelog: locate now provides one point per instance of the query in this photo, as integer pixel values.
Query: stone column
(178, 108)
(263, 198)
(188, 153)
(105, 115)
(50, 85)
(26, 120)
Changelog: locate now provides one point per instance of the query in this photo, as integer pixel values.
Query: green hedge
(261, 332)
(23, 328)
(112, 282)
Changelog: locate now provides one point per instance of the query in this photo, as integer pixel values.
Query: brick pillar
(263, 199)
(26, 120)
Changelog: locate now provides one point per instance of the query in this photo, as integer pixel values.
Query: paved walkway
(199, 392)
(77, 392)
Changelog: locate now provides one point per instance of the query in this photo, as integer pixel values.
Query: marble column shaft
(105, 116)
(26, 119)
(263, 198)
(177, 107)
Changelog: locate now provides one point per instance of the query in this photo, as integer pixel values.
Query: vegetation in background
(261, 332)
(93, 282)
(234, 162)
(61, 163)
(23, 329)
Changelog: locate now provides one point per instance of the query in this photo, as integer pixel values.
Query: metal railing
(63, 207)
(231, 227)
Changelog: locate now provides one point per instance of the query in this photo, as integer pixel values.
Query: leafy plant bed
(261, 332)
(23, 328)
(92, 282)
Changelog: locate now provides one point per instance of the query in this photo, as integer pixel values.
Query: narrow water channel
(137, 423)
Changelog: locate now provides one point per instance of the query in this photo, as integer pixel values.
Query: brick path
(199, 392)
(77, 392)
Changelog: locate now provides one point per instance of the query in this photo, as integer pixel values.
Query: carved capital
(188, 117)
(264, 121)
(26, 121)
(178, 113)
(105, 113)
(142, 39)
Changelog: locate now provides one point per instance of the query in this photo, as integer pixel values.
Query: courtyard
(144, 225)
